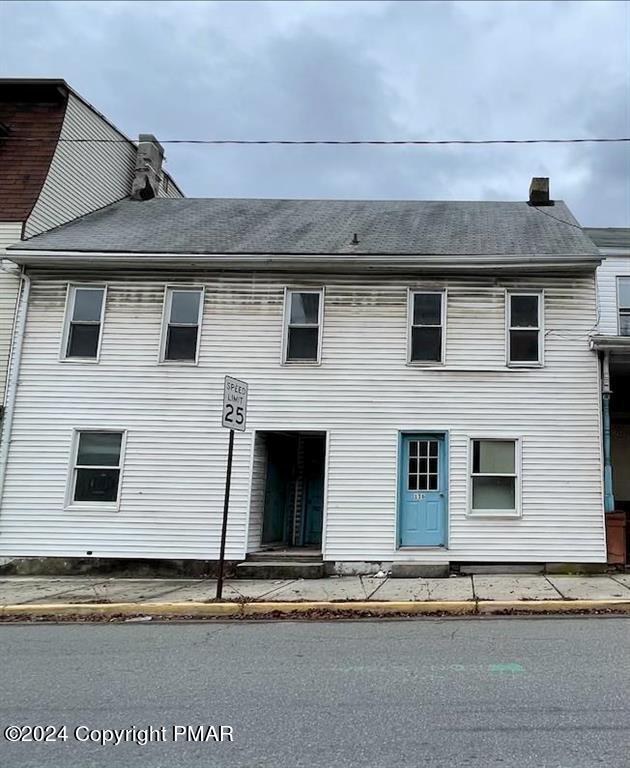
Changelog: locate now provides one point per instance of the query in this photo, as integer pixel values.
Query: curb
(260, 609)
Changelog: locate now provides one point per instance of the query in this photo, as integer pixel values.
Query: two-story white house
(612, 341)
(421, 385)
(59, 159)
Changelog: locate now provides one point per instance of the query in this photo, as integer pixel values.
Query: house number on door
(418, 496)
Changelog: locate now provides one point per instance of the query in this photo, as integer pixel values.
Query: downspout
(13, 374)
(609, 498)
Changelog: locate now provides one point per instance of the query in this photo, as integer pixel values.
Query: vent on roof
(146, 177)
(539, 191)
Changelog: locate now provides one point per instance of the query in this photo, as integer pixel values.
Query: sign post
(234, 417)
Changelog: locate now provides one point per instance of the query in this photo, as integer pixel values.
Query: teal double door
(423, 488)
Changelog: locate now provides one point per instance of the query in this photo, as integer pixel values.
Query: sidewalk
(36, 596)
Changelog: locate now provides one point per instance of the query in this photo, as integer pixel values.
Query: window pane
(624, 324)
(181, 342)
(524, 311)
(624, 293)
(490, 456)
(423, 483)
(185, 307)
(83, 340)
(433, 483)
(427, 309)
(99, 448)
(426, 344)
(524, 346)
(302, 344)
(96, 485)
(413, 482)
(304, 308)
(494, 493)
(87, 305)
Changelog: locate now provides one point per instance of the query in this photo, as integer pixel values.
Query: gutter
(297, 261)
(13, 374)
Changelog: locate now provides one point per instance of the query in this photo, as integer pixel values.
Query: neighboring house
(612, 341)
(421, 384)
(47, 179)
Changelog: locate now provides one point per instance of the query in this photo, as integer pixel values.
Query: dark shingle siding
(260, 226)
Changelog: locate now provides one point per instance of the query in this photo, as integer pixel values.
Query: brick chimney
(148, 172)
(539, 191)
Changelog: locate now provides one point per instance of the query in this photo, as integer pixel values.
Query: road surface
(452, 692)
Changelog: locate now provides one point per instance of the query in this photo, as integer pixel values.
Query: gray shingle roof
(609, 237)
(246, 226)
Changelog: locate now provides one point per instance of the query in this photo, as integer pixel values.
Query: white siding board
(10, 232)
(609, 270)
(363, 394)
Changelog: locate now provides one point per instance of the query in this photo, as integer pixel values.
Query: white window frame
(621, 310)
(540, 295)
(517, 474)
(288, 292)
(69, 311)
(411, 293)
(166, 316)
(99, 506)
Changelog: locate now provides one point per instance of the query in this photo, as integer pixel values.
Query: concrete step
(308, 556)
(280, 569)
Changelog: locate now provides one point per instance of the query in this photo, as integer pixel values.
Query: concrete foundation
(413, 570)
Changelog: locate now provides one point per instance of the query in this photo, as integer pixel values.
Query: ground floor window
(96, 470)
(494, 476)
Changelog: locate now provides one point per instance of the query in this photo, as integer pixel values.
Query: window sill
(436, 364)
(174, 363)
(80, 360)
(301, 363)
(96, 506)
(518, 366)
(493, 515)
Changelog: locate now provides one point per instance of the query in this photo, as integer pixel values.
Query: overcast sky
(353, 70)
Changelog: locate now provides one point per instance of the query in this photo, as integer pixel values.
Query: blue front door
(423, 485)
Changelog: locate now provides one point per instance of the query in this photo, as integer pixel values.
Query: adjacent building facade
(612, 342)
(50, 174)
(422, 386)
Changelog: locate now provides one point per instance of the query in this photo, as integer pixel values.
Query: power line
(555, 218)
(344, 142)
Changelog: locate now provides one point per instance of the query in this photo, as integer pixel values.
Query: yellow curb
(451, 607)
(552, 606)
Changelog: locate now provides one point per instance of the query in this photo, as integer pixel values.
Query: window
(426, 313)
(97, 467)
(494, 477)
(524, 329)
(623, 294)
(303, 318)
(423, 469)
(182, 321)
(82, 336)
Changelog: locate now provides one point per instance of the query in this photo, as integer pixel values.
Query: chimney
(539, 191)
(147, 174)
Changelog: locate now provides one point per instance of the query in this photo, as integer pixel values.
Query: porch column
(609, 498)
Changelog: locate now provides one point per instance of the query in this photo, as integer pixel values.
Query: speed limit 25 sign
(234, 404)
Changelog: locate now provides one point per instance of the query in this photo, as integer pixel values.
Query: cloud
(353, 70)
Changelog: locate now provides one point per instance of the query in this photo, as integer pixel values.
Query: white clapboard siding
(362, 394)
(9, 283)
(609, 270)
(84, 177)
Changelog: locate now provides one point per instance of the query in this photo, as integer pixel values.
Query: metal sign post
(234, 417)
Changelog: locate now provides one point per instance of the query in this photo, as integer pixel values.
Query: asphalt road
(460, 692)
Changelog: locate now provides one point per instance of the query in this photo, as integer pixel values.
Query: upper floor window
(426, 334)
(623, 294)
(183, 309)
(525, 329)
(84, 319)
(96, 468)
(303, 324)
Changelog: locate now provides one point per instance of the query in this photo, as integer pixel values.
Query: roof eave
(299, 261)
